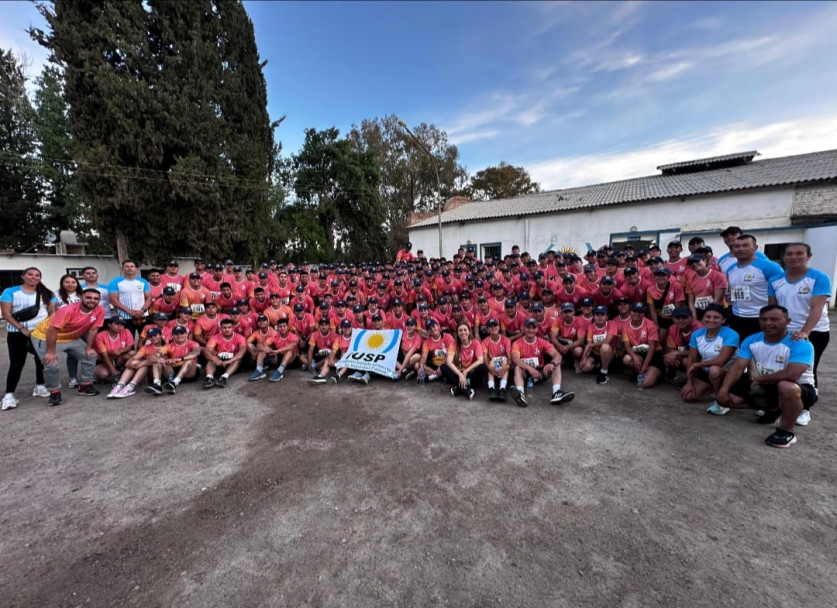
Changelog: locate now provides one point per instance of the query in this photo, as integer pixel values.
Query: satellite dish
(51, 238)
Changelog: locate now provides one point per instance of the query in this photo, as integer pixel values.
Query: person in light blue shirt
(130, 295)
(712, 351)
(782, 368)
(748, 278)
(805, 293)
(729, 234)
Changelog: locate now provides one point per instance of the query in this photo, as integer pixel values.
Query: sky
(576, 93)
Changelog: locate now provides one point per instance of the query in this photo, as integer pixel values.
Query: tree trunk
(121, 245)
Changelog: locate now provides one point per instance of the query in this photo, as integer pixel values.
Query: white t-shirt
(796, 297)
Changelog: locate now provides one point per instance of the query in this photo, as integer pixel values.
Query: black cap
(154, 331)
(587, 301)
(169, 291)
(173, 263)
(117, 320)
(662, 270)
(681, 311)
(345, 323)
(568, 278)
(410, 321)
(186, 309)
(262, 318)
(607, 281)
(323, 320)
(179, 329)
(262, 275)
(630, 270)
(377, 317)
(234, 311)
(242, 302)
(638, 306)
(194, 275)
(530, 322)
(298, 307)
(567, 306)
(492, 323)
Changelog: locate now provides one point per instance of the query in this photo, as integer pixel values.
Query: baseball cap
(117, 320)
(298, 307)
(638, 306)
(510, 303)
(179, 329)
(234, 311)
(567, 306)
(623, 300)
(410, 321)
(345, 323)
(228, 262)
(663, 270)
(537, 306)
(492, 323)
(431, 323)
(568, 278)
(242, 302)
(186, 309)
(194, 275)
(600, 310)
(159, 316)
(262, 275)
(154, 331)
(630, 270)
(681, 311)
(443, 300)
(357, 308)
(530, 322)
(168, 291)
(262, 318)
(323, 320)
(607, 281)
(587, 301)
(397, 302)
(173, 263)
(377, 317)
(695, 258)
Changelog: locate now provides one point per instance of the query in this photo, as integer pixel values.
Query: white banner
(373, 351)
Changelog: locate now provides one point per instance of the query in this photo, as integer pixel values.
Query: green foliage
(338, 212)
(168, 112)
(22, 227)
(502, 181)
(407, 175)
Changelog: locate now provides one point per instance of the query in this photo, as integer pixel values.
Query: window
(75, 272)
(638, 242)
(10, 278)
(492, 249)
(775, 251)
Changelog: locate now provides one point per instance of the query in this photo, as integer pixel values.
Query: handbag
(28, 313)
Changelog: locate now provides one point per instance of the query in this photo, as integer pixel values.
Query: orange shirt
(70, 322)
(233, 344)
(105, 343)
(643, 334)
(531, 352)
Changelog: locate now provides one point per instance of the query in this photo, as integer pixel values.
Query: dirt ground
(397, 495)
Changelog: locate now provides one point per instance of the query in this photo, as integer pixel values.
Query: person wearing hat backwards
(528, 357)
(114, 348)
(72, 328)
(137, 366)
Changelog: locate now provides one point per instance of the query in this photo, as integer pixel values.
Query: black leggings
(478, 375)
(819, 340)
(19, 346)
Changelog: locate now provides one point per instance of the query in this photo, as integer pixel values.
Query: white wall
(669, 217)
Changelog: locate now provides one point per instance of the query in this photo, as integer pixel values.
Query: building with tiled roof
(780, 200)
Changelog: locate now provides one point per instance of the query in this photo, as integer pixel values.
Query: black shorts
(657, 361)
(664, 322)
(771, 392)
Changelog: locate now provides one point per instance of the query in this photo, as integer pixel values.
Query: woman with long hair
(464, 368)
(69, 290)
(31, 302)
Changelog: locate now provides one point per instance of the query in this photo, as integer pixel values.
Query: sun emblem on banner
(374, 341)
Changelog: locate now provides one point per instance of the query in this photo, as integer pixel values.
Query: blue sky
(576, 93)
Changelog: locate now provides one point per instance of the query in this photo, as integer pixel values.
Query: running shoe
(716, 409)
(9, 402)
(804, 418)
(87, 390)
(114, 392)
(55, 398)
(277, 376)
(492, 394)
(221, 382)
(501, 394)
(769, 416)
(410, 374)
(257, 375)
(125, 392)
(455, 391)
(40, 391)
(318, 379)
(209, 382)
(365, 378)
(562, 397)
(602, 378)
(469, 392)
(356, 377)
(154, 389)
(73, 383)
(781, 439)
(519, 397)
(170, 388)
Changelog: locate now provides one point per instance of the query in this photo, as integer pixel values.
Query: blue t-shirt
(711, 348)
(131, 293)
(748, 286)
(796, 297)
(771, 357)
(20, 300)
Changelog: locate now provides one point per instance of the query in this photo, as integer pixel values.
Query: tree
(407, 175)
(22, 226)
(64, 211)
(502, 181)
(337, 186)
(169, 123)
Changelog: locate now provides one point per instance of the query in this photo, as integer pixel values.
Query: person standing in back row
(130, 295)
(748, 278)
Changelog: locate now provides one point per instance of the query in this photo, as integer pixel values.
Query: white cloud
(771, 140)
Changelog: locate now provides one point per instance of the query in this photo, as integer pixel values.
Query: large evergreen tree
(168, 111)
(21, 220)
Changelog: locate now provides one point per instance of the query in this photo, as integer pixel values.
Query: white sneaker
(40, 391)
(9, 402)
(804, 418)
(114, 392)
(73, 383)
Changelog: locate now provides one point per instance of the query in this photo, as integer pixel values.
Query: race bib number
(702, 303)
(597, 338)
(761, 370)
(740, 294)
(176, 286)
(667, 310)
(225, 356)
(323, 352)
(498, 362)
(531, 361)
(198, 309)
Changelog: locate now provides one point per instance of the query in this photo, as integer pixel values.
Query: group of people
(740, 326)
